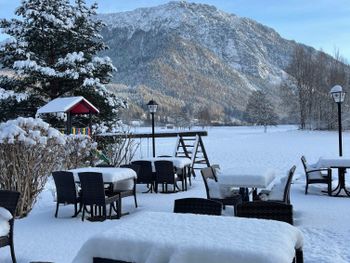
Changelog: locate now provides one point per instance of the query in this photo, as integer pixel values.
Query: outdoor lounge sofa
(271, 207)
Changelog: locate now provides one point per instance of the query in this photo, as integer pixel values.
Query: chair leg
(135, 200)
(306, 186)
(82, 218)
(56, 213)
(13, 256)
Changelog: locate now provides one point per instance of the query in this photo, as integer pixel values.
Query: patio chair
(145, 175)
(126, 190)
(106, 260)
(314, 175)
(197, 206)
(166, 174)
(93, 195)
(9, 200)
(277, 205)
(66, 190)
(210, 180)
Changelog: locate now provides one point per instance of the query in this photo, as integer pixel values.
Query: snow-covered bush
(29, 151)
(79, 151)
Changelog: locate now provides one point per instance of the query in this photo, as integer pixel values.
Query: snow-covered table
(246, 180)
(110, 175)
(341, 163)
(159, 237)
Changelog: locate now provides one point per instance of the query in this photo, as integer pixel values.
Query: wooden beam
(157, 135)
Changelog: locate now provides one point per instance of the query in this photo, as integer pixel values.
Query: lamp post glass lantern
(338, 96)
(152, 108)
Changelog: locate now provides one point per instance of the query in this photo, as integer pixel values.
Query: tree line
(306, 93)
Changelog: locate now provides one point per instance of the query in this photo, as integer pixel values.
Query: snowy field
(324, 220)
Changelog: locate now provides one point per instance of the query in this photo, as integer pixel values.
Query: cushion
(214, 189)
(5, 214)
(124, 185)
(4, 227)
(277, 191)
(227, 191)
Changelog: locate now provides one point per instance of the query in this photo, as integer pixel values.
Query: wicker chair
(9, 200)
(208, 174)
(145, 175)
(197, 206)
(165, 174)
(280, 210)
(315, 176)
(106, 260)
(66, 190)
(131, 192)
(93, 195)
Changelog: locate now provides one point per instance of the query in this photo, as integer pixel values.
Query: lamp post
(338, 96)
(152, 108)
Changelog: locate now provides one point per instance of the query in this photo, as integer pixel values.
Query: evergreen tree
(53, 50)
(259, 110)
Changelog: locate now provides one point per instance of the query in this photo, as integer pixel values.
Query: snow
(261, 180)
(4, 227)
(333, 162)
(5, 214)
(5, 94)
(30, 131)
(110, 175)
(323, 220)
(178, 162)
(63, 104)
(166, 237)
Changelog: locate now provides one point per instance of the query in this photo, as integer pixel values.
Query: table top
(333, 162)
(250, 180)
(109, 174)
(168, 237)
(178, 162)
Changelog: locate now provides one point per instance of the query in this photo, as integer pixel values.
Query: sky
(322, 24)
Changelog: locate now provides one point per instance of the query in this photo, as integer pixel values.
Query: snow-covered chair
(146, 175)
(8, 204)
(316, 175)
(275, 205)
(214, 191)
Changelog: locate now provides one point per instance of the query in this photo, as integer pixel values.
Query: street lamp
(338, 96)
(152, 108)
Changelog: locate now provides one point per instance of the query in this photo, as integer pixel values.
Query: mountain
(195, 56)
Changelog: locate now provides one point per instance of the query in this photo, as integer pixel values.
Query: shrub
(29, 151)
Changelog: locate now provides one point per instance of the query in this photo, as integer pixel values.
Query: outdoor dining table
(168, 237)
(341, 163)
(246, 180)
(111, 176)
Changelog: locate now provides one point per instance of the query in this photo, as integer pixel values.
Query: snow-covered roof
(68, 104)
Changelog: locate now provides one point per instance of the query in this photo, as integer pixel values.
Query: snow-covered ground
(324, 220)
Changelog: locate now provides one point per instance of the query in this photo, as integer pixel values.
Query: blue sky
(319, 23)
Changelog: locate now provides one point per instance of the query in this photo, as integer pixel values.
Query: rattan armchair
(315, 176)
(197, 206)
(280, 210)
(166, 175)
(9, 200)
(93, 196)
(66, 190)
(145, 175)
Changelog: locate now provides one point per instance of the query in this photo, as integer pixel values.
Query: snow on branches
(54, 51)
(30, 150)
